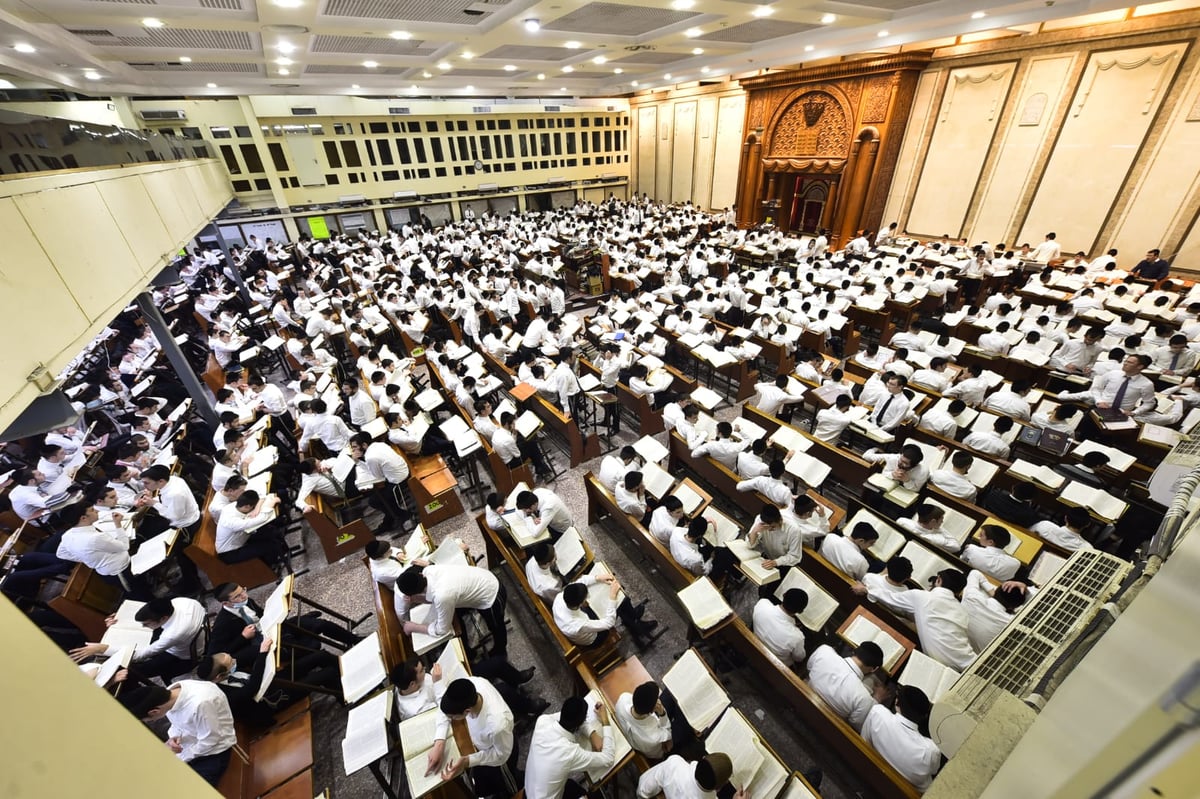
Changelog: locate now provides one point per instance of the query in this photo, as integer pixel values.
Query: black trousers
(211, 767)
(493, 617)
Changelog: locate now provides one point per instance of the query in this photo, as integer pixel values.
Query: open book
(416, 739)
(706, 398)
(1117, 459)
(810, 470)
(688, 496)
(704, 604)
(1045, 567)
(599, 594)
(955, 524)
(453, 661)
(153, 551)
(422, 642)
(569, 552)
(893, 491)
(722, 530)
(621, 746)
(650, 450)
(701, 698)
(755, 768)
(925, 562)
(1100, 503)
(890, 539)
(863, 629)
(429, 399)
(790, 439)
(751, 563)
(1037, 473)
(362, 668)
(528, 424)
(366, 738)
(821, 604)
(127, 632)
(922, 671)
(656, 480)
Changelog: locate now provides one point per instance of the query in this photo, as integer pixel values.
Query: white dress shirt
(425, 698)
(1060, 535)
(449, 588)
(890, 411)
(722, 450)
(988, 442)
(27, 501)
(176, 503)
(629, 501)
(384, 463)
(387, 570)
(687, 553)
(575, 624)
(897, 598)
(916, 476)
(491, 728)
(839, 681)
(954, 484)
(552, 512)
(555, 753)
(942, 627)
(201, 720)
(105, 553)
(662, 525)
(1139, 395)
(988, 617)
(992, 561)
(674, 778)
(903, 746)
(613, 469)
(970, 390)
(844, 555)
(933, 535)
(783, 544)
(777, 630)
(940, 422)
(544, 582)
(776, 491)
(1008, 403)
(234, 527)
(647, 735)
(178, 632)
(830, 423)
(505, 445)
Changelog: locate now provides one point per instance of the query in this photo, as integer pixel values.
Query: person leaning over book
(839, 680)
(555, 751)
(776, 625)
(676, 778)
(201, 731)
(449, 589)
(583, 626)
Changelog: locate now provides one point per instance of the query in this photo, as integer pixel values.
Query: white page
(704, 603)
(362, 668)
(735, 737)
(821, 604)
(863, 629)
(701, 698)
(922, 671)
(569, 551)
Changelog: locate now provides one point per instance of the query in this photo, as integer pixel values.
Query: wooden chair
(203, 552)
(337, 540)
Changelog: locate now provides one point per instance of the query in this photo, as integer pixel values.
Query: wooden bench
(582, 447)
(337, 540)
(717, 475)
(849, 468)
(203, 552)
(264, 765)
(393, 643)
(434, 488)
(86, 601)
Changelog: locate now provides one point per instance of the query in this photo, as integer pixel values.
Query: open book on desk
(790, 439)
(700, 697)
(127, 631)
(599, 594)
(821, 604)
(153, 551)
(1036, 473)
(954, 523)
(1045, 567)
(890, 539)
(862, 629)
(925, 562)
(650, 449)
(892, 490)
(755, 767)
(752, 563)
(922, 671)
(569, 552)
(621, 747)
(377, 427)
(810, 470)
(689, 497)
(657, 481)
(449, 553)
(1117, 459)
(416, 739)
(1099, 503)
(706, 398)
(704, 604)
(429, 399)
(528, 424)
(520, 531)
(722, 529)
(453, 661)
(362, 668)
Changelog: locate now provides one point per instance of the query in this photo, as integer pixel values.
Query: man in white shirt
(1069, 534)
(490, 725)
(544, 511)
(771, 398)
(991, 442)
(943, 422)
(770, 485)
(893, 408)
(891, 588)
(988, 555)
(970, 387)
(901, 737)
(723, 449)
(242, 533)
(201, 731)
(630, 496)
(1126, 390)
(175, 501)
(448, 589)
(905, 466)
(27, 498)
(777, 627)
(781, 545)
(382, 474)
(831, 422)
(1012, 401)
(664, 519)
(927, 525)
(588, 627)
(845, 553)
(942, 621)
(676, 778)
(555, 751)
(330, 430)
(362, 408)
(839, 680)
(170, 651)
(614, 466)
(954, 480)
(105, 553)
(990, 607)
(806, 518)
(642, 717)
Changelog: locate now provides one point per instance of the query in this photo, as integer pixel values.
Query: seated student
(417, 690)
(639, 384)
(104, 552)
(1069, 534)
(685, 424)
(386, 562)
(943, 422)
(555, 751)
(891, 408)
(692, 552)
(514, 453)
(1015, 505)
(449, 589)
(676, 778)
(806, 518)
(201, 731)
(773, 398)
(544, 510)
(970, 386)
(934, 376)
(839, 680)
(666, 518)
(490, 726)
(991, 607)
(902, 736)
(240, 679)
(890, 587)
(1087, 471)
(770, 485)
(905, 466)
(242, 534)
(988, 555)
(991, 442)
(927, 525)
(642, 715)
(630, 496)
(954, 481)
(776, 625)
(236, 629)
(1175, 358)
(942, 620)
(615, 466)
(723, 449)
(845, 553)
(172, 498)
(831, 422)
(781, 544)
(581, 624)
(1011, 401)
(170, 653)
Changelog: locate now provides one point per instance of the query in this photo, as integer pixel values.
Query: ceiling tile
(400, 11)
(174, 38)
(615, 19)
(759, 30)
(651, 57)
(369, 45)
(174, 66)
(526, 52)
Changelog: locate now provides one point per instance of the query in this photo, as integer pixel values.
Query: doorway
(809, 207)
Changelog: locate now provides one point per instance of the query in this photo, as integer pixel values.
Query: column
(202, 398)
(860, 183)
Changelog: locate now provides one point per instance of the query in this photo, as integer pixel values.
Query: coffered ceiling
(490, 48)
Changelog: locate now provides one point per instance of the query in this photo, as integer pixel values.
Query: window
(510, 167)
(231, 162)
(522, 124)
(439, 172)
(342, 129)
(241, 185)
(541, 122)
(558, 144)
(242, 131)
(262, 184)
(608, 141)
(431, 127)
(571, 144)
(462, 148)
(504, 124)
(508, 146)
(485, 147)
(479, 124)
(371, 152)
(331, 154)
(354, 177)
(397, 127)
(462, 124)
(595, 141)
(220, 133)
(331, 180)
(251, 159)
(277, 156)
(350, 154)
(391, 174)
(422, 173)
(545, 144)
(524, 146)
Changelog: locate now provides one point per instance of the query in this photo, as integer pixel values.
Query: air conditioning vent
(399, 110)
(161, 115)
(1046, 627)
(481, 109)
(304, 111)
(552, 108)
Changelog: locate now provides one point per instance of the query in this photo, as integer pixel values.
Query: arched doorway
(808, 204)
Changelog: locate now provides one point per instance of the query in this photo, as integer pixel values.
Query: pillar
(749, 175)
(863, 155)
(202, 399)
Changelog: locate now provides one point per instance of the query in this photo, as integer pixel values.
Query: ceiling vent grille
(399, 110)
(304, 111)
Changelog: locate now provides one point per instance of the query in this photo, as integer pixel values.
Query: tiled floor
(344, 587)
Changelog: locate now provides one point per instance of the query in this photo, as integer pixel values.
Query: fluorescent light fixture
(153, 22)
(979, 15)
(697, 51)
(704, 70)
(284, 71)
(667, 76)
(414, 88)
(354, 86)
(533, 25)
(633, 83)
(682, 5)
(284, 62)
(618, 71)
(808, 48)
(211, 85)
(568, 68)
(599, 60)
(467, 55)
(401, 35)
(572, 45)
(184, 59)
(882, 34)
(91, 76)
(541, 76)
(510, 68)
(286, 47)
(370, 64)
(426, 74)
(762, 11)
(289, 3)
(468, 88)
(828, 19)
(23, 47)
(444, 65)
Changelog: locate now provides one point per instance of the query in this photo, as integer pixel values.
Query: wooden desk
(282, 754)
(898, 637)
(298, 787)
(622, 679)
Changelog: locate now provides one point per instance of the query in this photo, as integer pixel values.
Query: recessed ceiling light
(183, 59)
(633, 83)
(153, 22)
(469, 88)
(22, 47)
(762, 11)
(682, 5)
(284, 71)
(667, 76)
(370, 64)
(467, 55)
(828, 19)
(289, 3)
(533, 25)
(414, 88)
(283, 62)
(704, 70)
(572, 45)
(979, 15)
(286, 47)
(541, 76)
(562, 88)
(510, 68)
(882, 34)
(444, 65)
(426, 74)
(402, 35)
(599, 60)
(211, 85)
(568, 68)
(697, 51)
(354, 86)
(91, 76)
(692, 33)
(808, 48)
(618, 71)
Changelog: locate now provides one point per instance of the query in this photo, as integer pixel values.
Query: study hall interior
(908, 172)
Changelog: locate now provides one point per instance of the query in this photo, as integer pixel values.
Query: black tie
(591, 614)
(882, 411)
